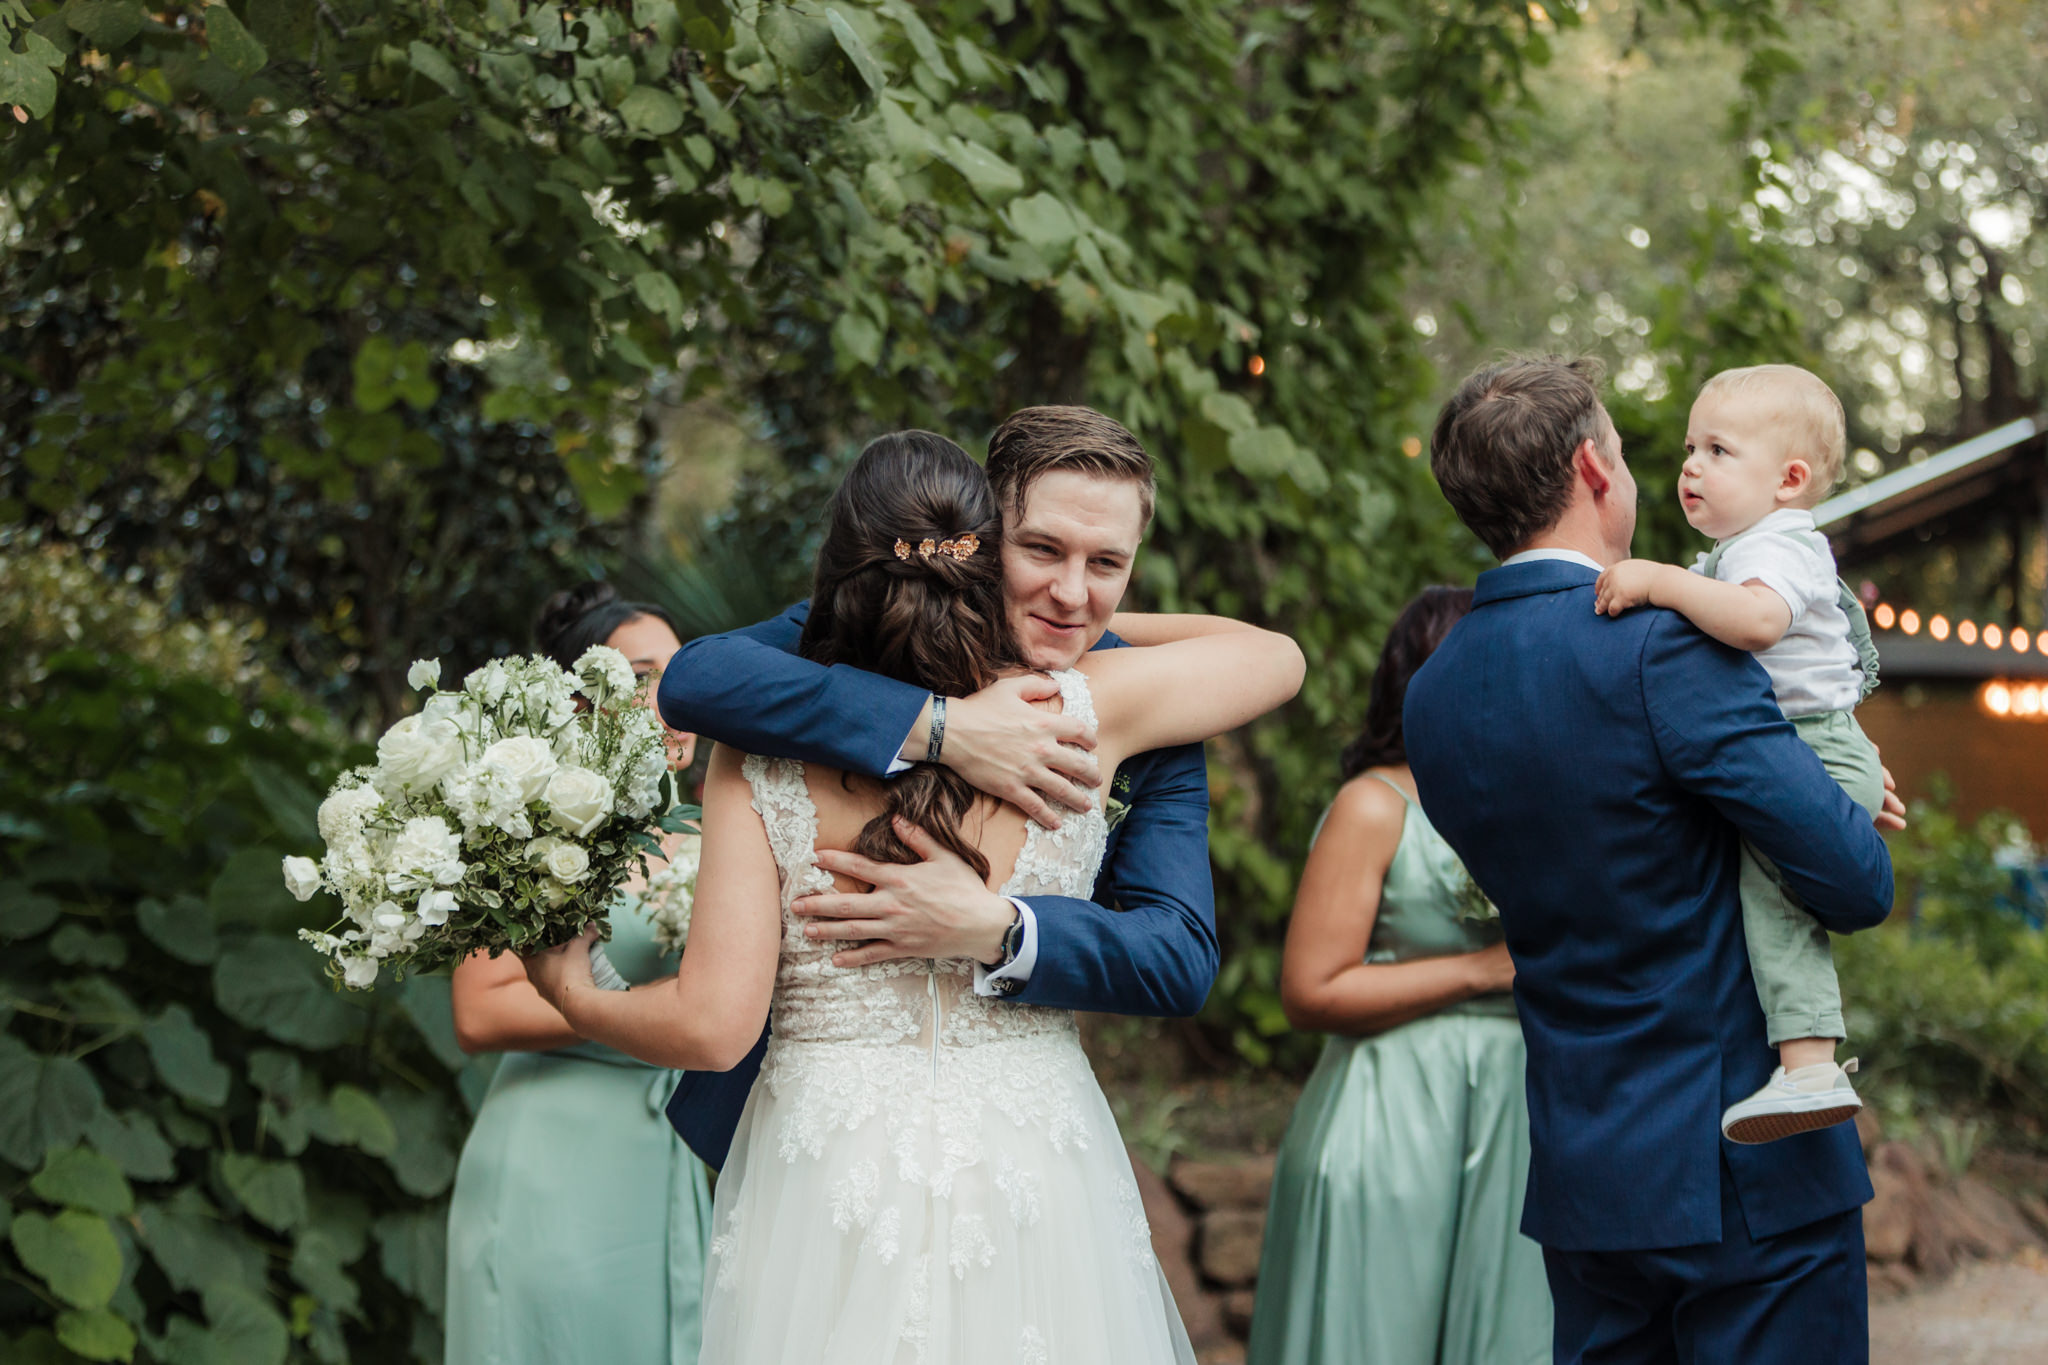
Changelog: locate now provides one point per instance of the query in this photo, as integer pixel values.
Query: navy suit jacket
(1145, 945)
(1596, 775)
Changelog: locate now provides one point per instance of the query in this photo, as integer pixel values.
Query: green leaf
(856, 341)
(1109, 161)
(248, 891)
(235, 47)
(78, 946)
(96, 1334)
(134, 1143)
(429, 1004)
(991, 176)
(184, 1057)
(856, 51)
(44, 1102)
(1045, 222)
(1269, 451)
(181, 927)
(25, 77)
(423, 1158)
(243, 1329)
(80, 1178)
(75, 1254)
(351, 1117)
(289, 800)
(412, 1250)
(275, 985)
(106, 24)
(273, 1192)
(659, 293)
(194, 1248)
(319, 1263)
(25, 913)
(654, 112)
(435, 67)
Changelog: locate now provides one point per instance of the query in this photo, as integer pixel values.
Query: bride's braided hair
(935, 621)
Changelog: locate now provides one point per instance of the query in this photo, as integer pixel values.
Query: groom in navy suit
(1147, 944)
(1595, 775)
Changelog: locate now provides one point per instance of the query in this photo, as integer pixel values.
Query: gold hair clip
(962, 548)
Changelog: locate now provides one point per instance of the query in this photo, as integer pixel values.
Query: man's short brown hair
(1502, 448)
(1034, 442)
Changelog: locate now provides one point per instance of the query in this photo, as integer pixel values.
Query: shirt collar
(1784, 519)
(1552, 552)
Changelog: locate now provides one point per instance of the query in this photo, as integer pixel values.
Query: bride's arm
(1150, 698)
(710, 1013)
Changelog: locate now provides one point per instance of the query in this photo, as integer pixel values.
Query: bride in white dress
(922, 1175)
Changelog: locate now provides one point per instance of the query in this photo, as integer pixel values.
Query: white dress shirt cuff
(1003, 981)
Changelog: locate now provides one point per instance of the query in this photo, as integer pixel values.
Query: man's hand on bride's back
(934, 908)
(1036, 759)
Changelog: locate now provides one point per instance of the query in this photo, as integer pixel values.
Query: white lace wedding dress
(923, 1176)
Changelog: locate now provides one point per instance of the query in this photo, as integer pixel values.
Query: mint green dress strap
(579, 1224)
(1393, 1232)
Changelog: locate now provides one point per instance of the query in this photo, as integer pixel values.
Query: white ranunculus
(435, 907)
(359, 972)
(604, 674)
(344, 813)
(423, 674)
(578, 800)
(568, 863)
(526, 761)
(425, 853)
(301, 877)
(416, 753)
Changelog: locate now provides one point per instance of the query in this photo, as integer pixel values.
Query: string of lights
(2005, 698)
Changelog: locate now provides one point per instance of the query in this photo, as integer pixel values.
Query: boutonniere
(1119, 803)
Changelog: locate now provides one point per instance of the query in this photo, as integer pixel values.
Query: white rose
(526, 762)
(416, 753)
(538, 850)
(359, 972)
(343, 814)
(568, 862)
(301, 877)
(425, 852)
(578, 800)
(436, 906)
(604, 673)
(423, 674)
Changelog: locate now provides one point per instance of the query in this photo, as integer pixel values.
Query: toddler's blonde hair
(1813, 416)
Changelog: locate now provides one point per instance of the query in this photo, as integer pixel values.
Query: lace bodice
(919, 1000)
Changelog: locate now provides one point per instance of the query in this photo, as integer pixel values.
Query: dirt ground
(1983, 1315)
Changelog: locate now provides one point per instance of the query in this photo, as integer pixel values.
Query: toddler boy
(1763, 446)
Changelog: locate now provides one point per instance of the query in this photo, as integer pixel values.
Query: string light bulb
(1938, 627)
(1993, 636)
(1884, 616)
(1909, 621)
(1967, 632)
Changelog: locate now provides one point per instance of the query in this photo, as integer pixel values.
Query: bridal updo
(909, 585)
(574, 619)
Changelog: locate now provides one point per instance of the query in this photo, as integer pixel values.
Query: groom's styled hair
(1034, 442)
(1502, 448)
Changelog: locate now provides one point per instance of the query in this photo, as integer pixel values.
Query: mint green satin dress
(1392, 1236)
(579, 1223)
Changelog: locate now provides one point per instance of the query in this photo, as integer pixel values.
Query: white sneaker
(1792, 1102)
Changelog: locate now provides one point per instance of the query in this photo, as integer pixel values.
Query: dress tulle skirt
(1393, 1234)
(900, 1205)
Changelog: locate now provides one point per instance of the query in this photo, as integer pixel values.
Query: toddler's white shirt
(1814, 668)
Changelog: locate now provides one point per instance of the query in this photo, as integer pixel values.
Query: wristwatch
(1013, 943)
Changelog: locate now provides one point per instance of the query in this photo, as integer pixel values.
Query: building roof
(1979, 469)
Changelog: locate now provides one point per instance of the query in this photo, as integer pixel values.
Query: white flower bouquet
(500, 816)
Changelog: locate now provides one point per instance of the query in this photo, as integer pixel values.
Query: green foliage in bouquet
(1948, 1001)
(206, 1153)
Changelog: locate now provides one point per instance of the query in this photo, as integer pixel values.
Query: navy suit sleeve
(1720, 733)
(748, 688)
(1155, 953)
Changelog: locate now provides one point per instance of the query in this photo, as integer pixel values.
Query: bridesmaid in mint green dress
(1393, 1233)
(579, 1223)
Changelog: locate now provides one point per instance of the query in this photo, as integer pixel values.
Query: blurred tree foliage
(207, 1153)
(390, 290)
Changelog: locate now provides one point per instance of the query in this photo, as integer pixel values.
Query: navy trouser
(1800, 1298)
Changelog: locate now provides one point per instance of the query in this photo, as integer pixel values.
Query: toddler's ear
(1796, 481)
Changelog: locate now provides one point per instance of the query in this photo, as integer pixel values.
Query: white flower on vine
(301, 877)
(424, 674)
